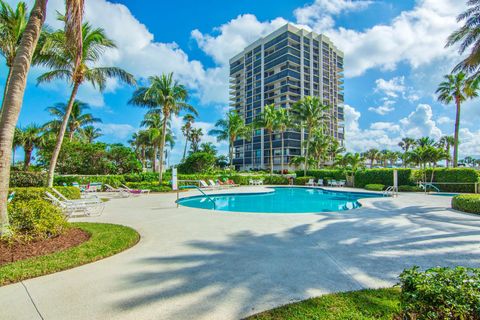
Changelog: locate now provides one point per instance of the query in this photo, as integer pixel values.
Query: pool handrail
(201, 191)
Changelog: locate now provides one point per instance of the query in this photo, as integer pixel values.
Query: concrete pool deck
(202, 264)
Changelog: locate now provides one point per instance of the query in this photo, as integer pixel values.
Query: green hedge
(301, 181)
(375, 187)
(456, 175)
(275, 180)
(467, 203)
(382, 176)
(152, 186)
(27, 179)
(409, 189)
(336, 174)
(113, 180)
(27, 194)
(141, 177)
(440, 293)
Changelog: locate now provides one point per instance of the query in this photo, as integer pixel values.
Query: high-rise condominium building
(282, 68)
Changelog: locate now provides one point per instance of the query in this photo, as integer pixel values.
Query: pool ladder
(390, 191)
(201, 191)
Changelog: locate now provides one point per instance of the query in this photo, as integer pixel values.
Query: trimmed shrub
(152, 186)
(382, 176)
(244, 180)
(27, 179)
(457, 175)
(36, 218)
(467, 203)
(28, 194)
(113, 180)
(375, 187)
(141, 177)
(440, 293)
(301, 181)
(336, 174)
(409, 189)
(275, 180)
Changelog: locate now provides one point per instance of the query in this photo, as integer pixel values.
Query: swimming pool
(281, 200)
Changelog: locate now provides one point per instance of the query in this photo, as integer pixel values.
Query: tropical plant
(425, 142)
(196, 135)
(188, 119)
(356, 161)
(309, 113)
(372, 155)
(90, 133)
(334, 148)
(77, 120)
(446, 142)
(457, 88)
(468, 37)
(319, 146)
(166, 97)
(298, 161)
(15, 89)
(30, 137)
(154, 124)
(208, 147)
(267, 120)
(12, 25)
(231, 128)
(58, 55)
(406, 144)
(17, 142)
(284, 121)
(140, 142)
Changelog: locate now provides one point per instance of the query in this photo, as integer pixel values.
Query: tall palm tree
(319, 146)
(153, 123)
(229, 129)
(90, 133)
(406, 144)
(17, 142)
(208, 147)
(425, 142)
(267, 120)
(140, 142)
(334, 148)
(309, 113)
(457, 88)
(284, 121)
(355, 161)
(57, 55)
(164, 96)
(196, 135)
(446, 142)
(15, 89)
(468, 36)
(12, 25)
(77, 120)
(31, 137)
(372, 155)
(189, 119)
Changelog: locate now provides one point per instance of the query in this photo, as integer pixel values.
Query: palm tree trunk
(185, 148)
(61, 135)
(9, 75)
(457, 129)
(283, 145)
(448, 156)
(230, 153)
(70, 135)
(143, 159)
(154, 158)
(306, 154)
(28, 158)
(13, 99)
(271, 153)
(162, 147)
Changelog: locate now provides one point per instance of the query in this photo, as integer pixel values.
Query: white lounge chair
(333, 183)
(320, 182)
(135, 191)
(260, 182)
(122, 192)
(341, 183)
(204, 185)
(73, 208)
(310, 182)
(93, 199)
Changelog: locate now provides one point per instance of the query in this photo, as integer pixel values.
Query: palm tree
(309, 113)
(90, 133)
(208, 147)
(57, 55)
(355, 161)
(15, 89)
(457, 88)
(393, 156)
(468, 36)
(140, 141)
(267, 120)
(230, 129)
(31, 137)
(17, 142)
(372, 155)
(12, 26)
(334, 148)
(195, 138)
(78, 119)
(425, 142)
(406, 144)
(283, 123)
(446, 142)
(189, 120)
(153, 123)
(319, 146)
(163, 96)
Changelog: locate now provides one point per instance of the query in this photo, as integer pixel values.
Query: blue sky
(395, 57)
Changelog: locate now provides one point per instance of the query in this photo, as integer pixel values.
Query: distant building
(281, 68)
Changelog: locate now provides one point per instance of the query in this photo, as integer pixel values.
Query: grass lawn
(106, 240)
(364, 304)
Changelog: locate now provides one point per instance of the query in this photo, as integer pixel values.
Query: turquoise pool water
(443, 194)
(282, 200)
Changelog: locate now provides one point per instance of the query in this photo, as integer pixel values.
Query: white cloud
(420, 123)
(319, 14)
(469, 145)
(119, 130)
(391, 88)
(384, 109)
(388, 126)
(444, 120)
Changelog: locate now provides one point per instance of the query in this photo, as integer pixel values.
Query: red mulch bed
(19, 250)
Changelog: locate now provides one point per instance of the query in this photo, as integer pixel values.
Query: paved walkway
(200, 264)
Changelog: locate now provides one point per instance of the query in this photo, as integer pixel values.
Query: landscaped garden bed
(467, 203)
